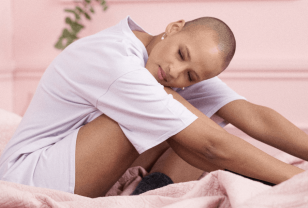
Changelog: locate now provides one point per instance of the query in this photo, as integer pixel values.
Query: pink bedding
(216, 189)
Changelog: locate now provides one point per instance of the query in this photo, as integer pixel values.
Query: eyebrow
(189, 58)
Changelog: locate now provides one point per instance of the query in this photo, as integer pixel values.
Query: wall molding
(240, 68)
(296, 68)
(264, 74)
(28, 73)
(6, 66)
(145, 1)
(281, 63)
(228, 74)
(6, 75)
(163, 1)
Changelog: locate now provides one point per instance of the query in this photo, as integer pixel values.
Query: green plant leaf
(77, 16)
(87, 16)
(76, 27)
(79, 9)
(66, 33)
(68, 20)
(59, 44)
(69, 10)
(70, 40)
(92, 10)
(69, 36)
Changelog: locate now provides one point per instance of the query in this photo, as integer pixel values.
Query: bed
(216, 189)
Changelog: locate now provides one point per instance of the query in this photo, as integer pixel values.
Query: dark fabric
(152, 181)
(265, 182)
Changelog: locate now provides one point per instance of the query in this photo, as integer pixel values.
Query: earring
(163, 37)
(183, 88)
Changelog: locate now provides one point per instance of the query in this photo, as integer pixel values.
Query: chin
(166, 85)
(162, 84)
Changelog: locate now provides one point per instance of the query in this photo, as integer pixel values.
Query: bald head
(222, 35)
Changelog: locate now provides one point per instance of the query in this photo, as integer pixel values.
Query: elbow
(211, 152)
(217, 149)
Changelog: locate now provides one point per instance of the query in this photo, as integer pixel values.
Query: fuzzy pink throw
(216, 189)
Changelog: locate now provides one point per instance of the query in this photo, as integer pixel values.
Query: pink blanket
(216, 189)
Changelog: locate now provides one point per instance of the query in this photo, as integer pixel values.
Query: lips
(161, 74)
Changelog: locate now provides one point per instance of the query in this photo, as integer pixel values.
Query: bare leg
(173, 166)
(164, 160)
(149, 157)
(103, 154)
(176, 168)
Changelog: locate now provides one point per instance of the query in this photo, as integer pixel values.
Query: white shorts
(50, 167)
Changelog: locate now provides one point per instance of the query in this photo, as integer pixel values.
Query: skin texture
(171, 55)
(103, 153)
(266, 125)
(212, 144)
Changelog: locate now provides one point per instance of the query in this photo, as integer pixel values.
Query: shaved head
(223, 35)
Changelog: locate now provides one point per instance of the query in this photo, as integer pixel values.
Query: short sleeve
(144, 111)
(209, 96)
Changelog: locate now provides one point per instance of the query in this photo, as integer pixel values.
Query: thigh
(148, 158)
(103, 154)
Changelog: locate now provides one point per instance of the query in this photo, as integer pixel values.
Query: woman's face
(180, 60)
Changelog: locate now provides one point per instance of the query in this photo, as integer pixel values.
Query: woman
(102, 102)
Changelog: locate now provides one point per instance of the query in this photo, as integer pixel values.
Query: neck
(148, 41)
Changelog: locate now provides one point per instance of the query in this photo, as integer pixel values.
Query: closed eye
(180, 53)
(189, 77)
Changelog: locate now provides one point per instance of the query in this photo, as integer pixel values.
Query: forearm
(282, 134)
(232, 153)
(197, 160)
(239, 156)
(268, 126)
(285, 135)
(204, 137)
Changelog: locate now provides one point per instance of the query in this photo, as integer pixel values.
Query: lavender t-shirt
(100, 74)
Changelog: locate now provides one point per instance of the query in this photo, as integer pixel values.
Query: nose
(176, 70)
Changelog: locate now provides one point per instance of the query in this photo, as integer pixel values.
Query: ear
(174, 27)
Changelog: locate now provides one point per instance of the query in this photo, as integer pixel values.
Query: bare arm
(207, 139)
(266, 125)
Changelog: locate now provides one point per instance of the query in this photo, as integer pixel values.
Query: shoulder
(110, 47)
(205, 88)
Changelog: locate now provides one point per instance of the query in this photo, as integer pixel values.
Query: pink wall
(6, 56)
(270, 66)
